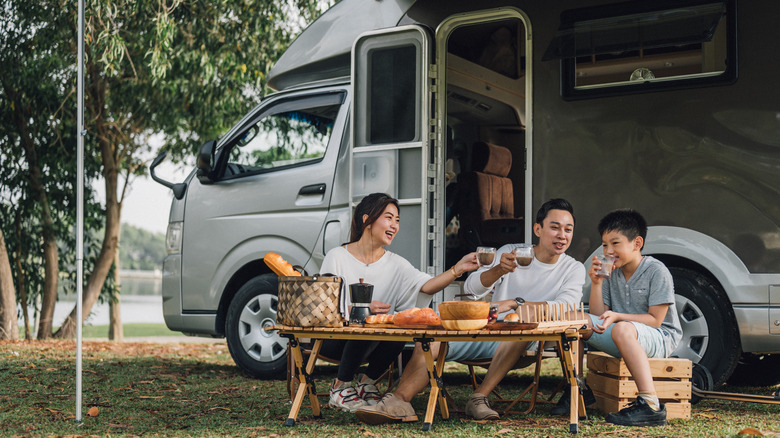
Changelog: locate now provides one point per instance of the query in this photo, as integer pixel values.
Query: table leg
(434, 395)
(307, 382)
(440, 359)
(570, 374)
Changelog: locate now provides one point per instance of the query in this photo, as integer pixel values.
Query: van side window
(642, 46)
(283, 139)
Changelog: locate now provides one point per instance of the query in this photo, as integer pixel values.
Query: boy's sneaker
(638, 413)
(478, 408)
(564, 405)
(345, 398)
(390, 409)
(367, 390)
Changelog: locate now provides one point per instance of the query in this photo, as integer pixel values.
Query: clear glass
(524, 254)
(607, 261)
(485, 255)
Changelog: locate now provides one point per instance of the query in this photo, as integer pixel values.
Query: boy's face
(554, 234)
(625, 251)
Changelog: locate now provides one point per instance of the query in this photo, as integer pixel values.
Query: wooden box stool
(614, 387)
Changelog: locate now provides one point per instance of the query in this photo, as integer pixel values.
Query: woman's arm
(439, 282)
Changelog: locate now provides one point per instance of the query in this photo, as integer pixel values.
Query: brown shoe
(478, 408)
(390, 409)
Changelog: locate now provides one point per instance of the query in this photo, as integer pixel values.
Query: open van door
(393, 136)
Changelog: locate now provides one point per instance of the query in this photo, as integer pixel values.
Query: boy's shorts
(477, 350)
(650, 339)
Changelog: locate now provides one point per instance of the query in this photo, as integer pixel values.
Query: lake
(140, 302)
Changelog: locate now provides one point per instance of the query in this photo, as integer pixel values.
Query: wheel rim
(696, 332)
(259, 344)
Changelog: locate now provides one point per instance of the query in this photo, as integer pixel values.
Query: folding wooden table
(563, 333)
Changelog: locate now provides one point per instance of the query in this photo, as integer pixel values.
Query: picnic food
(464, 324)
(512, 317)
(464, 310)
(417, 316)
(279, 265)
(380, 319)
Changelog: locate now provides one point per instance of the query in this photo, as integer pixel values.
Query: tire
(701, 379)
(259, 354)
(710, 335)
(756, 370)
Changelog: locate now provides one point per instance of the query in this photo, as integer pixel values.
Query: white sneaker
(367, 390)
(345, 398)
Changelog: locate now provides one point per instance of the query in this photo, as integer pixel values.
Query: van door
(393, 136)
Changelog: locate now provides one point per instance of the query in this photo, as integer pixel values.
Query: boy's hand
(608, 317)
(595, 267)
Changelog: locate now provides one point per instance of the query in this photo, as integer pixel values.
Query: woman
(396, 286)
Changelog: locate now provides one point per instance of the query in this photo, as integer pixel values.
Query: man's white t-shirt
(560, 282)
(396, 282)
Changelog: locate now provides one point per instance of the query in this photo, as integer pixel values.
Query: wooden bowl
(453, 310)
(464, 324)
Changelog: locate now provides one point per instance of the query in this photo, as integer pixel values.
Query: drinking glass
(485, 255)
(524, 254)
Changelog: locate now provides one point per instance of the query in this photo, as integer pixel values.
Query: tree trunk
(20, 286)
(9, 328)
(115, 330)
(38, 191)
(110, 161)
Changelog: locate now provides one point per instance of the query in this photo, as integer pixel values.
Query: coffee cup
(485, 255)
(524, 254)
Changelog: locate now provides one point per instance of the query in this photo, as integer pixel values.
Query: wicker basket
(310, 301)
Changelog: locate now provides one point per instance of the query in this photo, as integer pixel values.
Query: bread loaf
(380, 319)
(417, 316)
(511, 317)
(279, 265)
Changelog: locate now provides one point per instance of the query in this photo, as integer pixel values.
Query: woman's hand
(378, 307)
(467, 264)
(609, 317)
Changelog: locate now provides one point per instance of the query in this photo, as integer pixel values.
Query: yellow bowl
(464, 324)
(453, 310)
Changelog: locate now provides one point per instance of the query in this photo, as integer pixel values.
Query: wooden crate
(614, 387)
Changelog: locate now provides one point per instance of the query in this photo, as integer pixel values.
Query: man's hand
(378, 307)
(507, 263)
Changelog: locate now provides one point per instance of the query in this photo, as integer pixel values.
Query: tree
(9, 328)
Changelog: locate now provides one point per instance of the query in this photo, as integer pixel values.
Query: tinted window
(392, 88)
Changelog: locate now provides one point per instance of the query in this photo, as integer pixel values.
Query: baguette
(280, 266)
(417, 316)
(380, 319)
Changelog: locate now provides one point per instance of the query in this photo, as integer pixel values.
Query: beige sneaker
(478, 408)
(390, 409)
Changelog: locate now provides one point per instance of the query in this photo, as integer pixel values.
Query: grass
(139, 330)
(182, 390)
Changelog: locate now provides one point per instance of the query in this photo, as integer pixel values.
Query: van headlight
(173, 238)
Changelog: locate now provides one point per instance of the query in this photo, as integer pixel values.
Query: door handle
(314, 189)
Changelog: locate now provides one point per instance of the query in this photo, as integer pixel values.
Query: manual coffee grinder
(360, 294)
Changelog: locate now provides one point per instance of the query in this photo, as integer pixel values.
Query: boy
(636, 317)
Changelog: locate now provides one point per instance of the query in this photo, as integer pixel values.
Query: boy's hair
(625, 221)
(554, 204)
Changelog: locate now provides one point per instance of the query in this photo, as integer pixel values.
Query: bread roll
(417, 316)
(512, 317)
(279, 265)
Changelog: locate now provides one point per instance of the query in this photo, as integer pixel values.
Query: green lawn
(130, 331)
(195, 390)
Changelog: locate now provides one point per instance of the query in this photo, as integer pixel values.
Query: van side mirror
(205, 162)
(178, 189)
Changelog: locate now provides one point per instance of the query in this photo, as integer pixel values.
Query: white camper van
(667, 107)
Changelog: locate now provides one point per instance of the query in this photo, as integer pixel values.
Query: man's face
(555, 233)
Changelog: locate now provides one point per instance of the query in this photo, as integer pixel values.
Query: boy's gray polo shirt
(650, 285)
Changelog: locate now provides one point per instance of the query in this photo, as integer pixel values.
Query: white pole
(79, 205)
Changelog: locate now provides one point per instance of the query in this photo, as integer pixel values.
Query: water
(140, 302)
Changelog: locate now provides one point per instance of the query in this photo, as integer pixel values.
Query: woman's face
(384, 229)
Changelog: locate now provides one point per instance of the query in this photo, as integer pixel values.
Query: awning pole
(79, 205)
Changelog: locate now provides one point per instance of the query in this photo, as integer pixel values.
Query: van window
(283, 139)
(641, 46)
(392, 86)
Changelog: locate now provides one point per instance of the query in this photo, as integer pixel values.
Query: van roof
(322, 50)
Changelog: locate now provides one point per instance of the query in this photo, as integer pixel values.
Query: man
(552, 277)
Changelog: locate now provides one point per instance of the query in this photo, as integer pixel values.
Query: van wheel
(757, 370)
(259, 354)
(710, 335)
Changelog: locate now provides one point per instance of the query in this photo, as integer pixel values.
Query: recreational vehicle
(666, 107)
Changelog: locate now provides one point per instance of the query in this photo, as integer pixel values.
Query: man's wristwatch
(519, 302)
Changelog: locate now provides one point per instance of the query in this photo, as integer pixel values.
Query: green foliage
(140, 249)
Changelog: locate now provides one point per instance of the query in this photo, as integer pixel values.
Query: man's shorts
(650, 339)
(477, 350)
